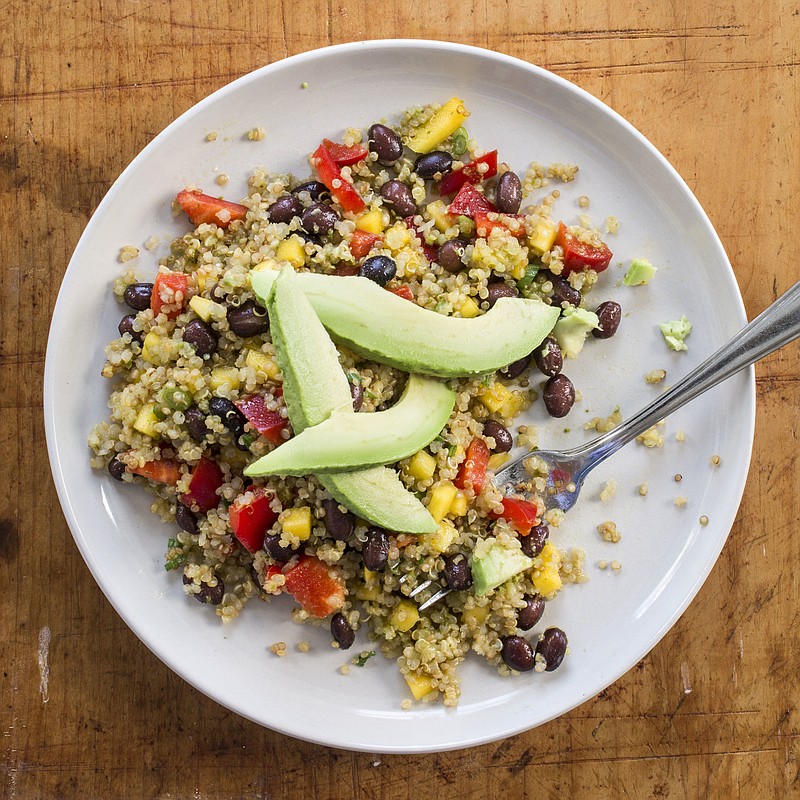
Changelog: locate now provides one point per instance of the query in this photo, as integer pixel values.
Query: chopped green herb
(175, 562)
(460, 139)
(452, 450)
(530, 273)
(247, 439)
(173, 543)
(370, 394)
(364, 657)
(354, 377)
(465, 225)
(160, 413)
(487, 381)
(176, 399)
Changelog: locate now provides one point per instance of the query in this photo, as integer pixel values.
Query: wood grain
(83, 87)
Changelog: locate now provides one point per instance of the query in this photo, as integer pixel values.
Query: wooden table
(83, 87)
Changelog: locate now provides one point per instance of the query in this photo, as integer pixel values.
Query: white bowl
(615, 618)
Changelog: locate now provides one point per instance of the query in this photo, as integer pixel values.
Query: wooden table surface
(83, 87)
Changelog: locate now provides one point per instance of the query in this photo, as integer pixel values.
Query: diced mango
(459, 505)
(223, 376)
(422, 466)
(297, 522)
(404, 616)
(146, 421)
(444, 536)
(469, 308)
(512, 405)
(370, 577)
(292, 250)
(370, 221)
(496, 460)
(444, 122)
(207, 309)
(493, 397)
(156, 349)
(475, 616)
(397, 237)
(368, 592)
(420, 685)
(518, 272)
(265, 265)
(263, 364)
(438, 213)
(442, 498)
(547, 580)
(543, 236)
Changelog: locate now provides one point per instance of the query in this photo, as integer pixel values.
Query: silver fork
(778, 325)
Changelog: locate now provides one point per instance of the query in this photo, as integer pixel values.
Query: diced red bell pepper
(362, 241)
(404, 292)
(484, 226)
(317, 586)
(579, 255)
(251, 519)
(469, 202)
(471, 173)
(343, 155)
(201, 208)
(329, 173)
(162, 470)
(430, 252)
(206, 479)
(169, 293)
(268, 423)
(520, 514)
(344, 270)
(472, 471)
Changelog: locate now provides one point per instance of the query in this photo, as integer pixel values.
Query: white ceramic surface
(615, 618)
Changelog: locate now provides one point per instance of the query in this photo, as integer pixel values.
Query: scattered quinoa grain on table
(680, 501)
(608, 491)
(704, 520)
(655, 376)
(715, 460)
(643, 489)
(211, 136)
(256, 134)
(608, 530)
(128, 253)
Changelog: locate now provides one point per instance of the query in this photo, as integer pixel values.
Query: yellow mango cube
(496, 460)
(442, 498)
(469, 309)
(157, 349)
(263, 364)
(542, 237)
(518, 272)
(443, 537)
(293, 251)
(404, 616)
(265, 265)
(369, 593)
(420, 685)
(458, 508)
(223, 376)
(297, 522)
(207, 309)
(475, 616)
(437, 210)
(422, 466)
(444, 122)
(512, 405)
(146, 421)
(547, 580)
(493, 397)
(370, 221)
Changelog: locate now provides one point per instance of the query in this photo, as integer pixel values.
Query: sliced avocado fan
(314, 386)
(386, 328)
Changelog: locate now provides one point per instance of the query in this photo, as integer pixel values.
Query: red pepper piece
(472, 471)
(346, 270)
(163, 470)
(430, 252)
(206, 479)
(404, 292)
(169, 293)
(520, 514)
(268, 423)
(343, 155)
(471, 173)
(251, 519)
(329, 173)
(362, 242)
(484, 226)
(201, 208)
(468, 202)
(316, 586)
(578, 255)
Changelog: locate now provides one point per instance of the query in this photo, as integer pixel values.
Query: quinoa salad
(213, 399)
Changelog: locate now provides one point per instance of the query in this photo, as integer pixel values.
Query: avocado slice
(641, 271)
(314, 385)
(572, 329)
(493, 564)
(386, 328)
(347, 441)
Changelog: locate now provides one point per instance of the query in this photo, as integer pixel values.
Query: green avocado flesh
(496, 566)
(314, 386)
(347, 441)
(386, 328)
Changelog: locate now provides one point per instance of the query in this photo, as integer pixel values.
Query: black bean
(248, 319)
(386, 143)
(196, 423)
(341, 631)
(548, 357)
(534, 608)
(457, 572)
(126, 326)
(609, 314)
(231, 417)
(380, 269)
(319, 218)
(552, 647)
(563, 291)
(398, 197)
(498, 290)
(316, 190)
(308, 237)
(517, 653)
(185, 519)
(426, 166)
(137, 295)
(338, 523)
(503, 441)
(201, 336)
(533, 543)
(116, 468)
(210, 595)
(357, 393)
(509, 193)
(285, 209)
(558, 395)
(272, 544)
(451, 255)
(516, 368)
(376, 549)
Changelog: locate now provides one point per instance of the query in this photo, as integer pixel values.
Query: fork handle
(776, 326)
